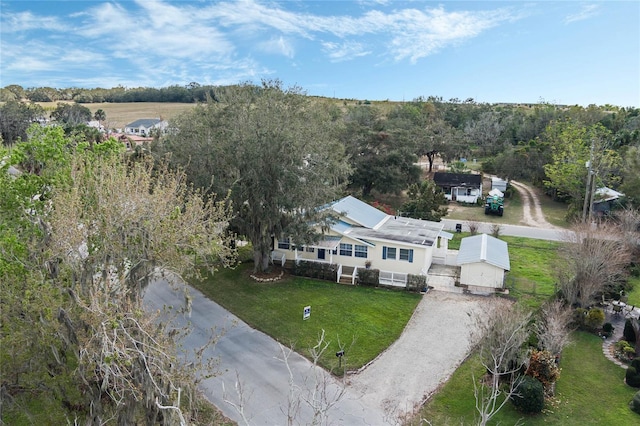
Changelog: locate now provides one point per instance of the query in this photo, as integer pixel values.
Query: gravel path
(436, 340)
(533, 215)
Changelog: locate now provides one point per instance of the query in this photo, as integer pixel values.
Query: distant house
(483, 261)
(144, 126)
(603, 200)
(367, 237)
(463, 187)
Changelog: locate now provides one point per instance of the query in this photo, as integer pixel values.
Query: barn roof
(484, 248)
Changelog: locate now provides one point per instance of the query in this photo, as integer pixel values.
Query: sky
(568, 52)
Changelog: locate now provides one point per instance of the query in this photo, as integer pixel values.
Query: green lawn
(590, 391)
(373, 317)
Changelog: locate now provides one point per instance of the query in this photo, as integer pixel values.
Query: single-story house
(483, 261)
(364, 236)
(145, 126)
(603, 200)
(463, 187)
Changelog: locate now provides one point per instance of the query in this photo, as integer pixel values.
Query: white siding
(482, 274)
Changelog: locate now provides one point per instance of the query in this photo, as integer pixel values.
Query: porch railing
(395, 279)
(339, 273)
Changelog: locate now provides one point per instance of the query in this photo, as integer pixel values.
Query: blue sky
(568, 52)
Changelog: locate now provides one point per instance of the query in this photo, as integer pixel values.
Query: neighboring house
(145, 126)
(483, 261)
(603, 200)
(463, 187)
(364, 236)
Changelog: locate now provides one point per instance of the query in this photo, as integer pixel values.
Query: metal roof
(144, 122)
(375, 225)
(359, 212)
(457, 179)
(484, 248)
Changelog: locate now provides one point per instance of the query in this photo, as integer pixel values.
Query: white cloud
(279, 46)
(26, 21)
(344, 51)
(587, 11)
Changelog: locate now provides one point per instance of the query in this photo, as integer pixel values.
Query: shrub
(369, 277)
(632, 377)
(578, 317)
(543, 366)
(594, 319)
(628, 333)
(636, 363)
(624, 351)
(607, 329)
(635, 403)
(529, 397)
(416, 282)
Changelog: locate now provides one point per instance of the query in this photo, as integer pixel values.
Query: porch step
(345, 280)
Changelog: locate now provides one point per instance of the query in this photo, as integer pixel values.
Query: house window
(284, 244)
(406, 254)
(334, 251)
(389, 253)
(360, 251)
(310, 249)
(345, 249)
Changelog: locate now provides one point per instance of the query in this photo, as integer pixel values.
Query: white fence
(395, 279)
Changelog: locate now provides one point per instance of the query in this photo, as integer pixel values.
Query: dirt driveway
(436, 340)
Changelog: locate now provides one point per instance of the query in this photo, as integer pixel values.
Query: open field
(121, 114)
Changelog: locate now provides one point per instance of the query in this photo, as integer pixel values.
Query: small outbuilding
(483, 261)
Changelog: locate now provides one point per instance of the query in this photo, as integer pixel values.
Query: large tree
(274, 149)
(576, 150)
(15, 119)
(381, 151)
(78, 242)
(426, 201)
(71, 114)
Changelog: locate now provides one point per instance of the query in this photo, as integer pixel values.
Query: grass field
(372, 318)
(121, 114)
(590, 391)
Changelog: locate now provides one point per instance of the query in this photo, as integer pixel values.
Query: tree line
(192, 92)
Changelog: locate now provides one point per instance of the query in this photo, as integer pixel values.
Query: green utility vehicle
(494, 204)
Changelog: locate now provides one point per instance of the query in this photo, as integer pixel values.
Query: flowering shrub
(543, 366)
(384, 207)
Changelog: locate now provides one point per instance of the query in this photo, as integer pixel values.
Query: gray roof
(144, 122)
(484, 248)
(359, 212)
(401, 229)
(376, 225)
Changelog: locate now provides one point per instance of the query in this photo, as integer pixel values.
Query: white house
(145, 126)
(483, 261)
(462, 187)
(365, 236)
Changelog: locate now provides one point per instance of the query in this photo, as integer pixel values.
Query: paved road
(253, 357)
(510, 230)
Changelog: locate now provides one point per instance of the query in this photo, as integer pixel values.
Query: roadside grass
(369, 318)
(554, 211)
(590, 391)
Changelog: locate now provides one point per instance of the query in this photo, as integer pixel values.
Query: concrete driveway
(253, 357)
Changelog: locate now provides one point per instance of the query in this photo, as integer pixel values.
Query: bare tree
(594, 260)
(473, 227)
(114, 228)
(552, 327)
(502, 353)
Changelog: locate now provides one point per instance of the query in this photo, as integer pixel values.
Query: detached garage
(483, 261)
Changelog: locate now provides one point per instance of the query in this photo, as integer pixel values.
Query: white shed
(483, 261)
(499, 184)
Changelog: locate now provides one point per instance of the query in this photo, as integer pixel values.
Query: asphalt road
(255, 359)
(510, 230)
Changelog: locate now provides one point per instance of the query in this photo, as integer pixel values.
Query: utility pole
(588, 192)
